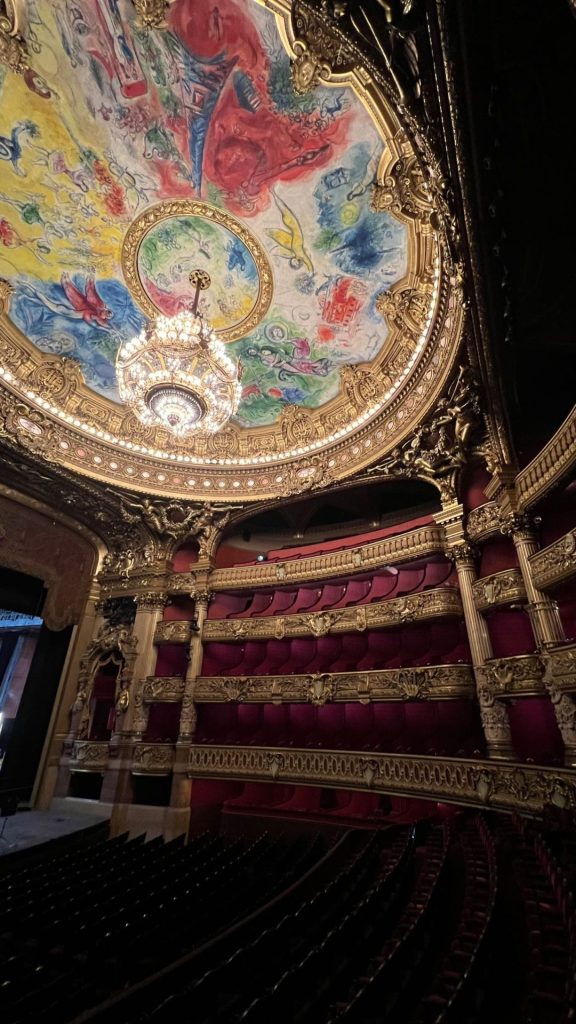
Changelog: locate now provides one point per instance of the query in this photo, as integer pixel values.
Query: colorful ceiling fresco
(273, 192)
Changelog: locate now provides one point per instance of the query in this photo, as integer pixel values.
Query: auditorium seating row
(389, 583)
(78, 928)
(450, 728)
(427, 924)
(419, 643)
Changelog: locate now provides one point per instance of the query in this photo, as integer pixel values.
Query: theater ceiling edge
(248, 140)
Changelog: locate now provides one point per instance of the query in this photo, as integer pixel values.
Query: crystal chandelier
(177, 374)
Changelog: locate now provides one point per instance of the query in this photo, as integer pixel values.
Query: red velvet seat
(281, 602)
(383, 586)
(227, 605)
(221, 659)
(254, 656)
(330, 595)
(353, 650)
(382, 650)
(306, 598)
(356, 592)
(259, 604)
(410, 580)
(277, 654)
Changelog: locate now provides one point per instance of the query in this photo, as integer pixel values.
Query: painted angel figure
(298, 361)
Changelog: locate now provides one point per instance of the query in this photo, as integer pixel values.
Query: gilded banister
(501, 588)
(555, 460)
(152, 758)
(404, 547)
(527, 789)
(430, 604)
(89, 755)
(555, 563)
(519, 676)
(168, 689)
(431, 682)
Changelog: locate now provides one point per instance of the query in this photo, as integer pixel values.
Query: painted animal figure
(11, 147)
(290, 242)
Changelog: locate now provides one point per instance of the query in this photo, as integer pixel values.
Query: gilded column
(129, 707)
(492, 711)
(543, 611)
(195, 653)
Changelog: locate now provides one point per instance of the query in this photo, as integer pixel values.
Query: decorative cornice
(404, 547)
(521, 675)
(426, 605)
(483, 522)
(555, 563)
(89, 756)
(168, 689)
(523, 788)
(173, 632)
(506, 587)
(555, 460)
(152, 758)
(437, 682)
(561, 668)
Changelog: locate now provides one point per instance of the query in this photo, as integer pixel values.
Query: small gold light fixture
(177, 373)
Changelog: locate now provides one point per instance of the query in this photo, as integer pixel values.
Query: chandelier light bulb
(177, 374)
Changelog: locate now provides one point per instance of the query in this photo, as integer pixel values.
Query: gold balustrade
(501, 588)
(434, 682)
(527, 789)
(555, 563)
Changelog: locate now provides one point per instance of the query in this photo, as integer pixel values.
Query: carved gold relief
(162, 688)
(561, 668)
(483, 521)
(152, 758)
(435, 682)
(511, 677)
(173, 632)
(89, 755)
(151, 13)
(429, 604)
(13, 51)
(505, 587)
(522, 788)
(555, 563)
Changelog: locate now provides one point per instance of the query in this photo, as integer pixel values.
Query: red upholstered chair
(163, 723)
(217, 723)
(383, 586)
(259, 605)
(421, 726)
(254, 655)
(304, 799)
(250, 718)
(330, 594)
(359, 731)
(303, 725)
(446, 642)
(302, 651)
(277, 654)
(222, 659)
(227, 605)
(281, 602)
(535, 733)
(389, 726)
(415, 644)
(353, 650)
(439, 574)
(328, 650)
(276, 724)
(171, 660)
(410, 580)
(306, 598)
(382, 650)
(332, 726)
(356, 592)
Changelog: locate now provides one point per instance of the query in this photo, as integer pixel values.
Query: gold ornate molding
(429, 604)
(151, 13)
(483, 522)
(168, 689)
(89, 756)
(152, 758)
(555, 563)
(173, 632)
(506, 587)
(512, 677)
(550, 465)
(13, 50)
(523, 788)
(437, 682)
(404, 547)
(561, 668)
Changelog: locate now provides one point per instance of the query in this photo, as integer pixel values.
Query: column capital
(462, 553)
(514, 523)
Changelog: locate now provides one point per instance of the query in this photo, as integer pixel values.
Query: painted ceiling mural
(134, 156)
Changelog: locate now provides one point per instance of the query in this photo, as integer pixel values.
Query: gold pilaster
(543, 611)
(492, 711)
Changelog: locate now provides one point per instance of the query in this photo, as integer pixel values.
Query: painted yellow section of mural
(116, 119)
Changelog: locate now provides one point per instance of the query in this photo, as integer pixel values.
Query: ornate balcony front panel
(550, 465)
(505, 587)
(523, 788)
(429, 604)
(89, 756)
(173, 632)
(435, 682)
(152, 759)
(162, 688)
(519, 676)
(561, 669)
(555, 563)
(404, 547)
(483, 522)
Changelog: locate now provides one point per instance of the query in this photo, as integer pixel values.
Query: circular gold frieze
(166, 242)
